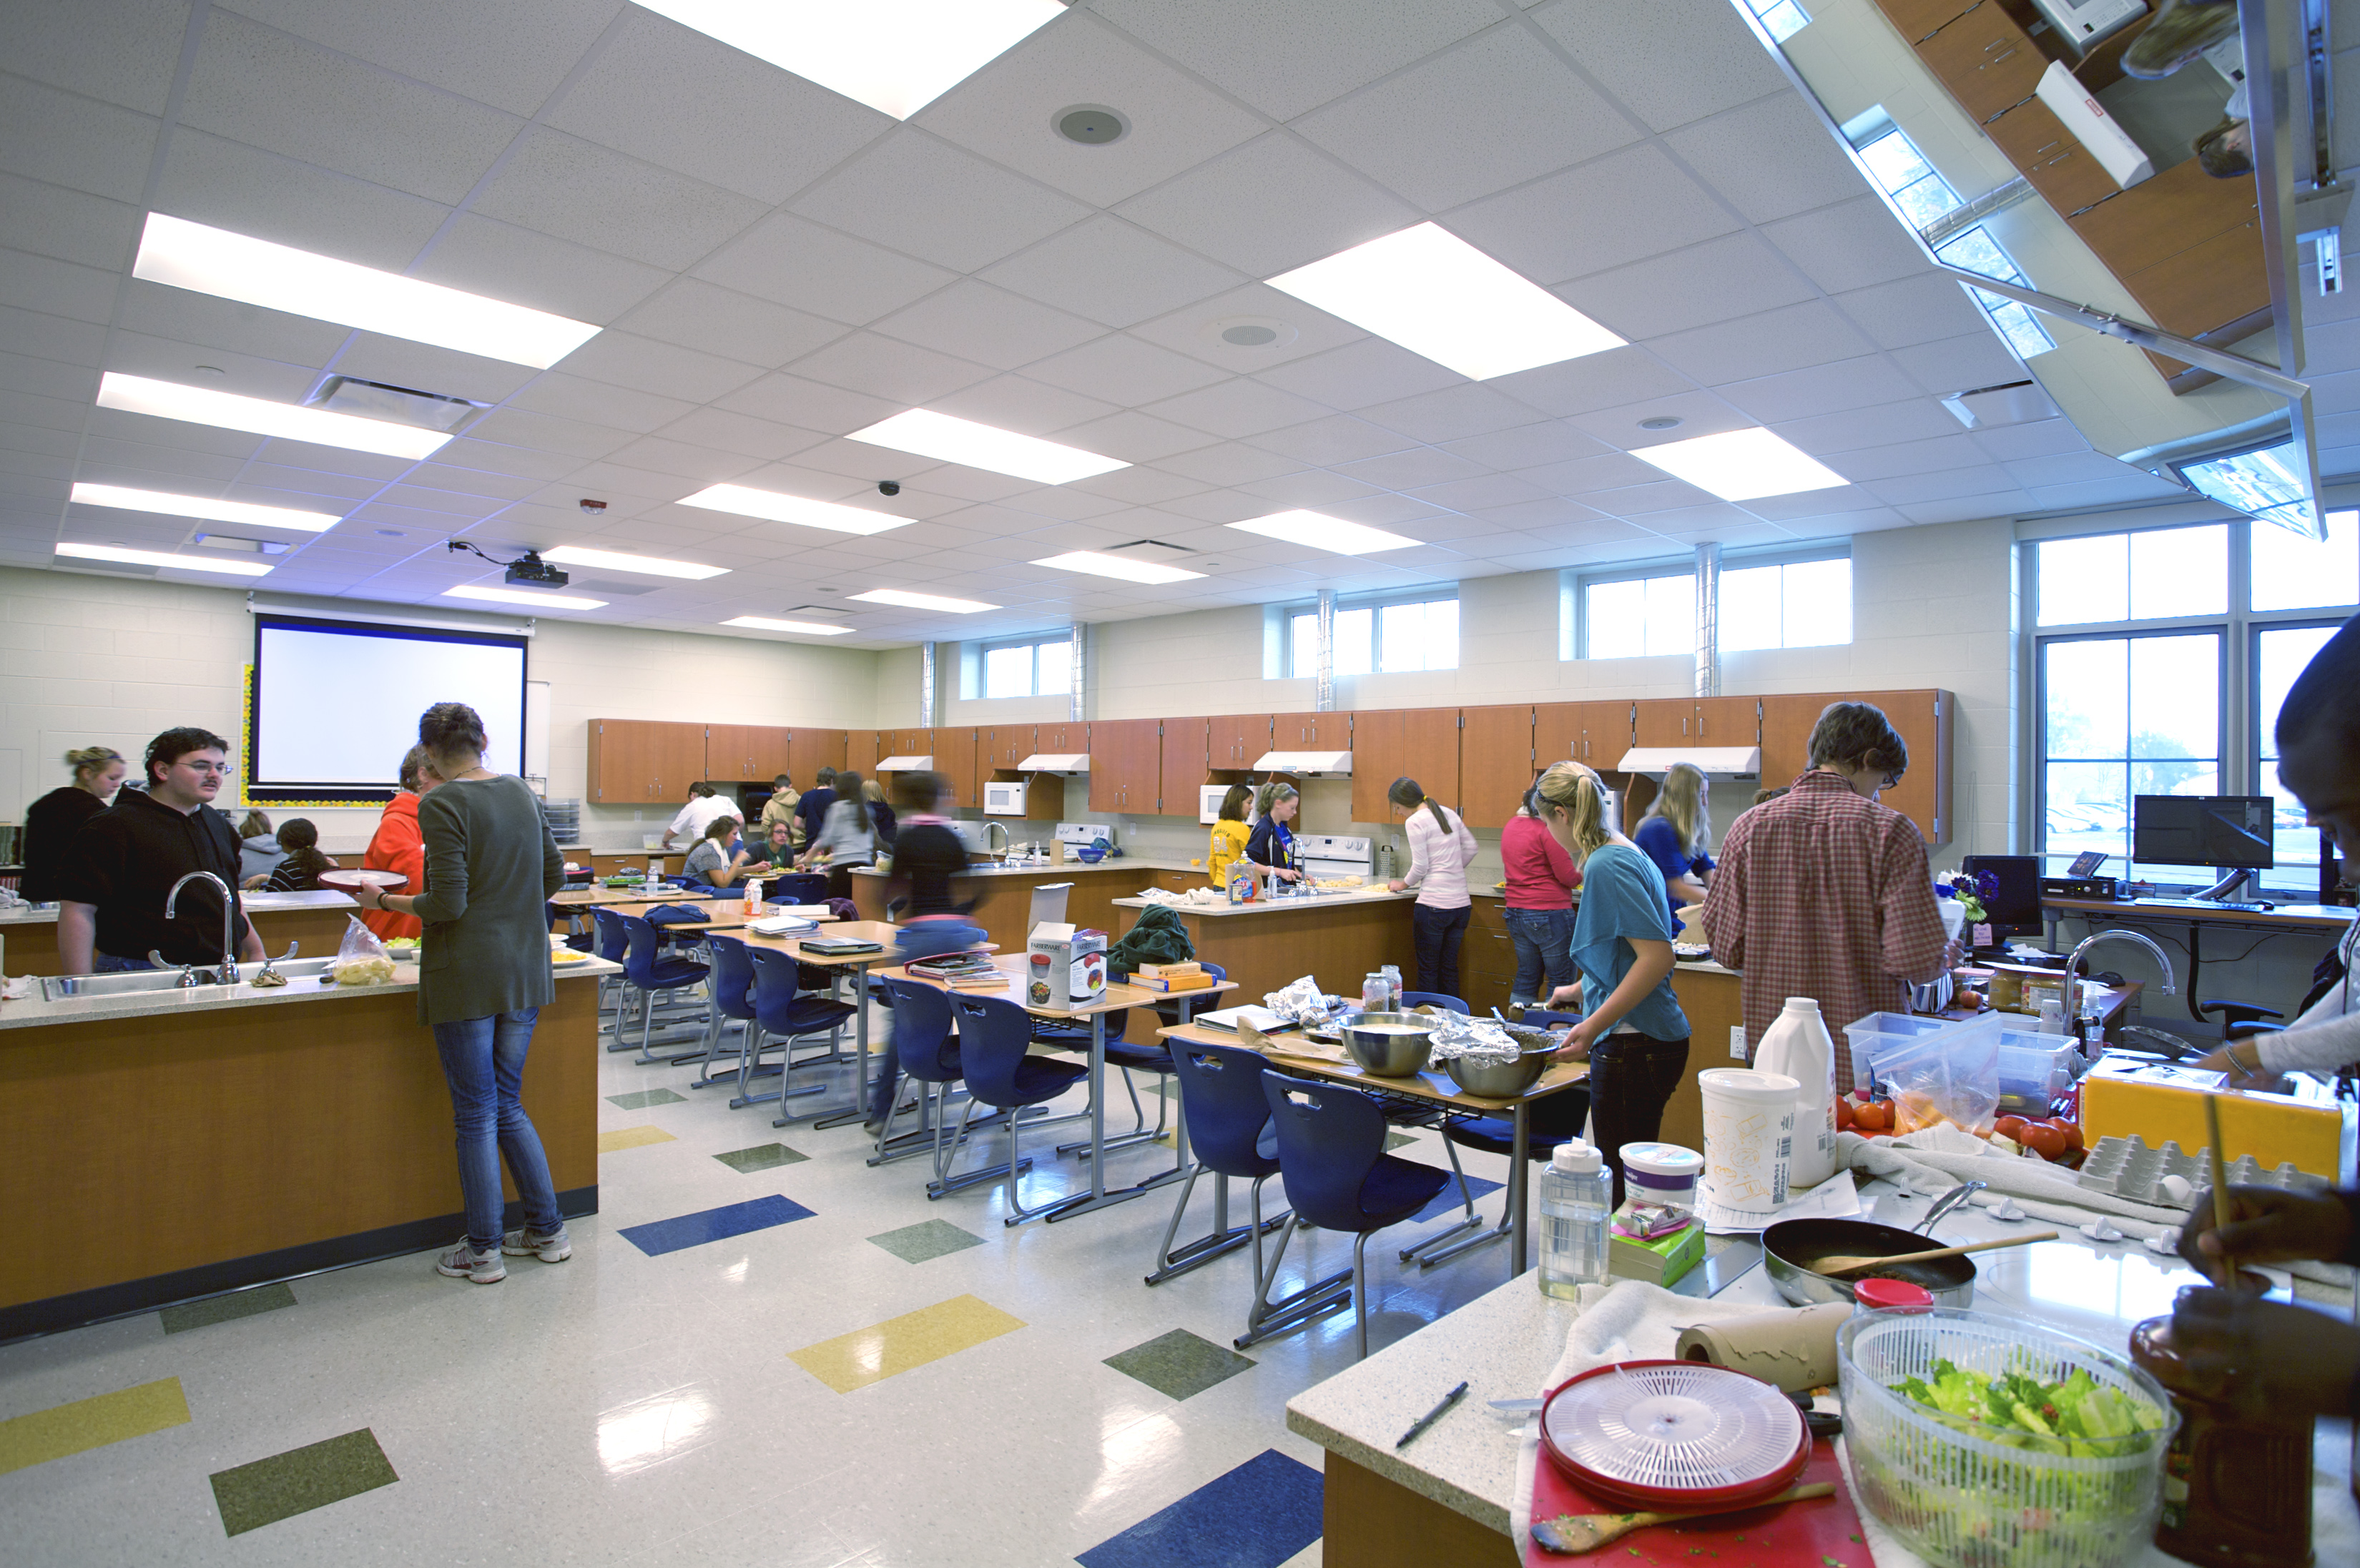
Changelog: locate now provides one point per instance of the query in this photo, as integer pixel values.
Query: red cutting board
(1821, 1532)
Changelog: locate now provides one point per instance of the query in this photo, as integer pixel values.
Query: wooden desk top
(578, 898)
(878, 931)
(1309, 1056)
(2316, 917)
(1114, 999)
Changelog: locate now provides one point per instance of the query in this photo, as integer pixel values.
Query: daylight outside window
(1043, 668)
(1791, 603)
(1416, 633)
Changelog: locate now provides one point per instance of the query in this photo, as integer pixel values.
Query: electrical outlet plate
(1737, 1042)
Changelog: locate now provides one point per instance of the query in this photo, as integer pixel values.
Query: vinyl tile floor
(762, 1351)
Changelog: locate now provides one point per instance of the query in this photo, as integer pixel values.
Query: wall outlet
(1737, 1042)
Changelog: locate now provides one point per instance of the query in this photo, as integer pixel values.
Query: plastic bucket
(1662, 1173)
(1748, 1136)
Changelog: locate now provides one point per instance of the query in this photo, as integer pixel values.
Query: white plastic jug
(1796, 1045)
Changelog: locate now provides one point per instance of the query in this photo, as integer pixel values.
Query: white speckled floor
(622, 1408)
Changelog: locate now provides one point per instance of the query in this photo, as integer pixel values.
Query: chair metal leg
(1471, 1221)
(1360, 1292)
(944, 1183)
(1267, 1319)
(1223, 1239)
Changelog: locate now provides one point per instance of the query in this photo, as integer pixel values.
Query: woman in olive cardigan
(482, 977)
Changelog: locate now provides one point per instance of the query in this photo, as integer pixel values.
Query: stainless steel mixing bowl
(1390, 1045)
(1502, 1081)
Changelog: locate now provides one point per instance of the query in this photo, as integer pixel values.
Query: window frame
(1574, 585)
(984, 651)
(1376, 605)
(1879, 125)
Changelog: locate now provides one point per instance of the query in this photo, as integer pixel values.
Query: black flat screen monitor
(2231, 832)
(2015, 909)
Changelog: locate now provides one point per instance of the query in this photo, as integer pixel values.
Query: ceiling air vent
(398, 405)
(1157, 550)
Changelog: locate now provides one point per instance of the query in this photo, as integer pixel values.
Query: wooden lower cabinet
(1710, 999)
(1373, 1521)
(1487, 958)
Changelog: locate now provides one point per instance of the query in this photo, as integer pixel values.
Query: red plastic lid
(1893, 1296)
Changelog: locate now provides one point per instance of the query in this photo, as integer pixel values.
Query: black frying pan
(1791, 1246)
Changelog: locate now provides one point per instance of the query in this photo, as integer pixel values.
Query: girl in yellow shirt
(1229, 835)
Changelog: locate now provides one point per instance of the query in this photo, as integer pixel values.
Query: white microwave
(1208, 801)
(1004, 798)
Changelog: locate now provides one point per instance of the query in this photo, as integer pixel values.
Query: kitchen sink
(134, 982)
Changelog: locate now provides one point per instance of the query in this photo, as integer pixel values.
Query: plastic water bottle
(1577, 1201)
(1796, 1044)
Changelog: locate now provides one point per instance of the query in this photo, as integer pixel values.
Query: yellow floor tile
(871, 1355)
(92, 1424)
(631, 1138)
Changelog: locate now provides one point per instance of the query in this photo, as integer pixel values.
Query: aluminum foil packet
(1302, 1002)
(1480, 1041)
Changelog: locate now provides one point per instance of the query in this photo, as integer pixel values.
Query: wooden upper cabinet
(2052, 157)
(1235, 740)
(860, 753)
(1920, 19)
(1594, 733)
(1692, 721)
(1660, 721)
(1126, 761)
(1987, 61)
(1495, 762)
(1728, 721)
(1330, 731)
(1922, 718)
(1183, 765)
(1005, 746)
(1066, 739)
(809, 750)
(1786, 723)
(643, 761)
(748, 754)
(954, 760)
(1402, 743)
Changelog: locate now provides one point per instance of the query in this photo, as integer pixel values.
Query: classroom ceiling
(775, 265)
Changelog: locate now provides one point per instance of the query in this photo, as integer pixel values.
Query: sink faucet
(2074, 968)
(229, 911)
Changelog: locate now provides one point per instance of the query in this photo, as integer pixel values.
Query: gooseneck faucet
(2073, 981)
(229, 914)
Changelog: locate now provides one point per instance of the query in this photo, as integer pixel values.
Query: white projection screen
(336, 702)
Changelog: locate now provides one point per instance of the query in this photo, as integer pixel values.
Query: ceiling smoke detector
(1092, 125)
(1661, 422)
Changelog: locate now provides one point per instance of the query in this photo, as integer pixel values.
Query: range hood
(1307, 763)
(903, 764)
(1055, 762)
(1712, 761)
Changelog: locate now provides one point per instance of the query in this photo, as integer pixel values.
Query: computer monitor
(2015, 909)
(2231, 832)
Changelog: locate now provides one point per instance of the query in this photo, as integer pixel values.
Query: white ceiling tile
(66, 139)
(577, 191)
(210, 179)
(1135, 437)
(66, 225)
(620, 407)
(704, 463)
(1641, 500)
(987, 325)
(1198, 331)
(1849, 245)
(1808, 333)
(260, 86)
(629, 360)
(165, 360)
(883, 368)
(1237, 408)
(1341, 440)
(41, 413)
(525, 267)
(1139, 484)
(2042, 437)
(1713, 280)
(1824, 511)
(701, 315)
(817, 269)
(45, 336)
(1670, 62)
(1493, 111)
(124, 51)
(513, 56)
(507, 439)
(1124, 371)
(1018, 403)
(1359, 373)
(1771, 159)
(2072, 468)
(432, 479)
(1525, 446)
(1539, 518)
(1934, 455)
(188, 317)
(1588, 475)
(1286, 56)
(1822, 389)
(1453, 413)
(1482, 491)
(808, 405)
(1960, 363)
(1918, 419)
(333, 459)
(1615, 210)
(1969, 508)
(1314, 489)
(1912, 311)
(1111, 271)
(1616, 377)
(1269, 205)
(1006, 112)
(1909, 489)
(49, 378)
(928, 199)
(2130, 487)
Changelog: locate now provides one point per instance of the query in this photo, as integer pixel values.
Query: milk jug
(1796, 1045)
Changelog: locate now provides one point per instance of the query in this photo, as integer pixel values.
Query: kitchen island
(314, 922)
(1003, 894)
(173, 1144)
(1339, 936)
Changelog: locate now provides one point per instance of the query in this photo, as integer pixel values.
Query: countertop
(1134, 863)
(34, 1012)
(254, 904)
(1376, 894)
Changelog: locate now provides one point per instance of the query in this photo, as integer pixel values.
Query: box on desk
(2125, 1096)
(1065, 967)
(1662, 1261)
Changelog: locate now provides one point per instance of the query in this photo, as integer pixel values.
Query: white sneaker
(464, 1262)
(526, 1243)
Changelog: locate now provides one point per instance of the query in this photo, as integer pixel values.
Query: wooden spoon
(1568, 1534)
(1832, 1266)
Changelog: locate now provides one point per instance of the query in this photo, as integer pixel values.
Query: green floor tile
(299, 1480)
(761, 1157)
(1398, 1141)
(917, 1243)
(1180, 1364)
(222, 1309)
(641, 1099)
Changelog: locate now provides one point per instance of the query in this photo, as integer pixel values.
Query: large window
(1044, 668)
(1390, 637)
(1783, 18)
(1925, 197)
(1783, 604)
(2164, 656)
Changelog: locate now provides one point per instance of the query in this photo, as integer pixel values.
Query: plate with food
(403, 948)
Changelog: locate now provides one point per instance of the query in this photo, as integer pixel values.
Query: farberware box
(1065, 967)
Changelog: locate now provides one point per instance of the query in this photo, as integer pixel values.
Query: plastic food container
(1663, 1174)
(1864, 1039)
(2038, 1066)
(1965, 1500)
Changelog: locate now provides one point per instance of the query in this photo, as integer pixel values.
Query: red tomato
(1869, 1118)
(2010, 1127)
(2073, 1132)
(1844, 1113)
(2044, 1140)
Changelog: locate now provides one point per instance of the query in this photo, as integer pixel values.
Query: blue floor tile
(1446, 1203)
(1257, 1516)
(659, 1236)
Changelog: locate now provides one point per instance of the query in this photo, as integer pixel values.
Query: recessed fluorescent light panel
(924, 601)
(171, 506)
(778, 509)
(808, 628)
(1323, 532)
(1098, 565)
(948, 440)
(514, 596)
(158, 557)
(280, 277)
(1742, 465)
(1435, 295)
(654, 566)
(227, 411)
(897, 58)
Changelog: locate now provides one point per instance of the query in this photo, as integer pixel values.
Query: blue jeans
(919, 938)
(483, 1061)
(107, 963)
(1544, 943)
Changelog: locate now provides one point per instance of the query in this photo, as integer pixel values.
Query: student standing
(123, 865)
(1441, 846)
(1270, 846)
(811, 810)
(881, 820)
(396, 846)
(1677, 835)
(51, 822)
(1539, 913)
(780, 808)
(929, 860)
(845, 838)
(705, 803)
(482, 977)
(1229, 835)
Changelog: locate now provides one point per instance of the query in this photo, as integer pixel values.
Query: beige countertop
(1128, 864)
(34, 1012)
(254, 903)
(1375, 894)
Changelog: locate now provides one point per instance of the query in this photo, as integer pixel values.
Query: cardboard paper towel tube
(1794, 1349)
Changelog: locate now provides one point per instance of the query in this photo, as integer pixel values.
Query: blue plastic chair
(1423, 998)
(926, 1049)
(781, 1007)
(650, 971)
(733, 1001)
(1332, 1159)
(614, 944)
(994, 1035)
(1497, 1135)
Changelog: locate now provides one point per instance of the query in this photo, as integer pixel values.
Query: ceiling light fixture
(948, 439)
(654, 566)
(1742, 465)
(772, 506)
(896, 59)
(1435, 295)
(1323, 532)
(279, 277)
(924, 601)
(227, 411)
(172, 505)
(516, 596)
(1096, 565)
(808, 628)
(116, 553)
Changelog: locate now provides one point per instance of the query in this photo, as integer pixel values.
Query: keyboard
(2200, 906)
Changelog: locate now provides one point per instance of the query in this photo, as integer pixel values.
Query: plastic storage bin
(1881, 1037)
(1865, 1037)
(2038, 1066)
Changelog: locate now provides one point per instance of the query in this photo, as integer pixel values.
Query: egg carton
(2127, 1167)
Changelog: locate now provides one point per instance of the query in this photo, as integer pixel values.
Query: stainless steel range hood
(1055, 762)
(1307, 763)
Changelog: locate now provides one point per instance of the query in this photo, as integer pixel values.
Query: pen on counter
(1433, 1415)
